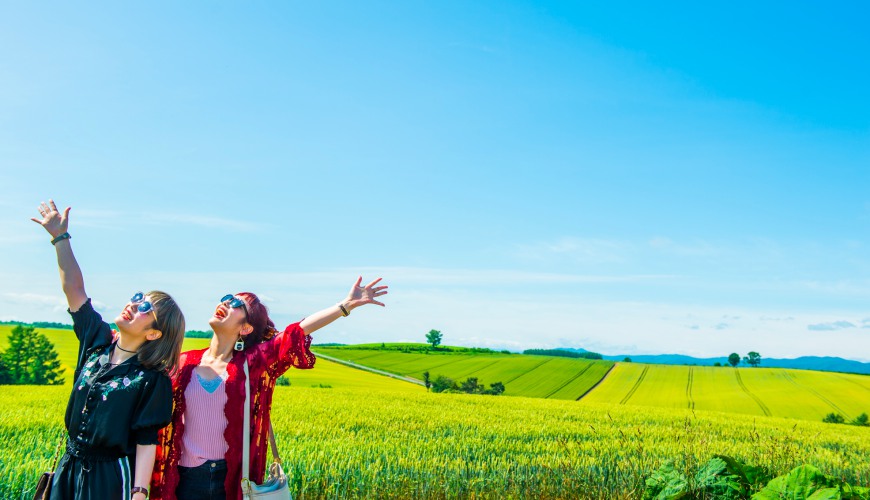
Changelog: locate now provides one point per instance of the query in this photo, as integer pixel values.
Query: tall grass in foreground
(350, 443)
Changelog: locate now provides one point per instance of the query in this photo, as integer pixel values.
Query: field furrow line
(830, 403)
(636, 385)
(854, 382)
(758, 400)
(598, 383)
(483, 368)
(372, 370)
(529, 371)
(689, 388)
(575, 377)
(444, 364)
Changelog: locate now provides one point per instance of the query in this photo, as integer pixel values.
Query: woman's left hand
(362, 295)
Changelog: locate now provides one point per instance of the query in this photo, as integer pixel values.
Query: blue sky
(617, 176)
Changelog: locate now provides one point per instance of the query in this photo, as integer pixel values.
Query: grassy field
(801, 394)
(753, 391)
(359, 442)
(530, 376)
(346, 433)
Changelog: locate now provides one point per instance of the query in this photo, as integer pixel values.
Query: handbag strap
(246, 436)
(60, 442)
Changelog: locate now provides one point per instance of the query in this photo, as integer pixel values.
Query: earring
(240, 344)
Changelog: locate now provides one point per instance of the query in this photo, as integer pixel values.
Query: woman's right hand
(52, 220)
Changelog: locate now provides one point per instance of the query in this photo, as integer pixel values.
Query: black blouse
(113, 408)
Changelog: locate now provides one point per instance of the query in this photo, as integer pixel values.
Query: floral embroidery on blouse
(88, 370)
(121, 383)
(117, 383)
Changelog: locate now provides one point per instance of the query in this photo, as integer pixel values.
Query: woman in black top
(122, 394)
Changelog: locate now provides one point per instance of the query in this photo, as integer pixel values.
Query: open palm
(362, 295)
(52, 220)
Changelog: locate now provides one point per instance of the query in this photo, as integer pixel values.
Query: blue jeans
(205, 482)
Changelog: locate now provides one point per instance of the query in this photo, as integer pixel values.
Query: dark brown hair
(162, 354)
(258, 318)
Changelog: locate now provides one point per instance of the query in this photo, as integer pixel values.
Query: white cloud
(583, 250)
(113, 219)
(203, 221)
(830, 326)
(55, 303)
(498, 309)
(696, 249)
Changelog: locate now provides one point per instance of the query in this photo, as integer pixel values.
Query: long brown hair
(162, 354)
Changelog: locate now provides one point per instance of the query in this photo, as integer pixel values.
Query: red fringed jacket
(266, 362)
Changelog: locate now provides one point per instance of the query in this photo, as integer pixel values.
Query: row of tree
(471, 385)
(564, 353)
(29, 359)
(835, 418)
(752, 359)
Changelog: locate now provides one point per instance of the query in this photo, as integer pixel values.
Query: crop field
(530, 376)
(754, 391)
(361, 442)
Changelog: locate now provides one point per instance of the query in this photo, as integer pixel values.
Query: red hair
(258, 318)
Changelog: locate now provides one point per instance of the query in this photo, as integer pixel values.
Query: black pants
(205, 482)
(92, 478)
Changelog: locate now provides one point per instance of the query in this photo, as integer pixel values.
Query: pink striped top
(204, 422)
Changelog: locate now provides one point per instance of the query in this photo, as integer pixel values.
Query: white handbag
(275, 485)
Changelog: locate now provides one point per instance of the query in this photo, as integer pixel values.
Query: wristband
(139, 489)
(344, 311)
(60, 237)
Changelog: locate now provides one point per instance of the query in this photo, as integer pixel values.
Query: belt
(90, 454)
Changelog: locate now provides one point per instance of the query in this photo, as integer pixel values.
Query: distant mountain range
(826, 363)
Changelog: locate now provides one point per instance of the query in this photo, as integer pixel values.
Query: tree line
(564, 354)
(471, 385)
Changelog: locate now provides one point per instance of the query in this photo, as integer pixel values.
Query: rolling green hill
(324, 373)
(755, 391)
(531, 376)
(802, 394)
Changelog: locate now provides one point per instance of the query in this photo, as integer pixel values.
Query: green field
(801, 394)
(778, 392)
(530, 376)
(358, 442)
(346, 433)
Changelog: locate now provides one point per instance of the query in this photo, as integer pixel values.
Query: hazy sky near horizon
(623, 177)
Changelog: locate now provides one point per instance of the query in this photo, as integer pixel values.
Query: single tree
(862, 420)
(626, 360)
(443, 383)
(5, 376)
(427, 381)
(752, 359)
(30, 358)
(717, 364)
(833, 418)
(734, 359)
(434, 337)
(495, 389)
(471, 386)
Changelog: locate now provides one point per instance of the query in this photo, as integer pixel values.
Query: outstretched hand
(362, 295)
(52, 220)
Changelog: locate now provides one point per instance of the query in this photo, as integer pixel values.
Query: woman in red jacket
(200, 456)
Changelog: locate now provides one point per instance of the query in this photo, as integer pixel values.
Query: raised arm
(358, 296)
(71, 279)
